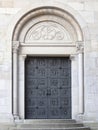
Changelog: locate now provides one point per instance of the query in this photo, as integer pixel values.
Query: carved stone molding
(80, 47)
(47, 31)
(15, 46)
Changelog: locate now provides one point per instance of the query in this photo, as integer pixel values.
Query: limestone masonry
(49, 28)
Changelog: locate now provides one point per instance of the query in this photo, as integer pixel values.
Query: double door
(47, 88)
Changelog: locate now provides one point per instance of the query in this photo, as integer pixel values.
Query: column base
(84, 118)
(16, 117)
(80, 117)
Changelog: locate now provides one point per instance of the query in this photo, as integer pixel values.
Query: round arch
(73, 33)
(48, 13)
(74, 14)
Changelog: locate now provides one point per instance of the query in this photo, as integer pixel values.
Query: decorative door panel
(47, 88)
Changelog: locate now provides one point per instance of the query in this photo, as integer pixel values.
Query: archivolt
(42, 14)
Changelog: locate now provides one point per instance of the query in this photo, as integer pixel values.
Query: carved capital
(80, 47)
(24, 56)
(72, 57)
(15, 46)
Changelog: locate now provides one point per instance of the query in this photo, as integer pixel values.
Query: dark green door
(47, 88)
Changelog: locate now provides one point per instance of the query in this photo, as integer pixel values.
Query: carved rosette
(80, 47)
(15, 46)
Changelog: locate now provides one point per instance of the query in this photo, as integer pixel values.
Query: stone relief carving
(80, 47)
(47, 31)
(15, 46)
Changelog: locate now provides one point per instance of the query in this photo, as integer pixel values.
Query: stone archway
(45, 31)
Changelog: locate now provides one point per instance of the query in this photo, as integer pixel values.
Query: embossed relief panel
(47, 31)
(48, 89)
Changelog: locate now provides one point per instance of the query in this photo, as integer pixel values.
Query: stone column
(22, 58)
(80, 50)
(15, 79)
(73, 58)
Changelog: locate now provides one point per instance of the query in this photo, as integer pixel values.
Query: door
(47, 88)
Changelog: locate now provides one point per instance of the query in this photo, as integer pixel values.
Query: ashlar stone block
(76, 5)
(1, 57)
(7, 3)
(88, 16)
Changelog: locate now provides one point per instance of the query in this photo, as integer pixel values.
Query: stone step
(50, 125)
(6, 126)
(94, 128)
(44, 124)
(44, 121)
(72, 128)
(91, 124)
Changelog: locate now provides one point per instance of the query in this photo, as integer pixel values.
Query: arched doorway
(52, 33)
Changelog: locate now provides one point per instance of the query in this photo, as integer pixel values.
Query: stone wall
(88, 10)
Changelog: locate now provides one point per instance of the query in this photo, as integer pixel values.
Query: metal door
(47, 88)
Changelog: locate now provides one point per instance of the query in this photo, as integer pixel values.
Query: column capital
(23, 56)
(80, 46)
(15, 46)
(72, 57)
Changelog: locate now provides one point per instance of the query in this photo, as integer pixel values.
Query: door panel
(47, 88)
